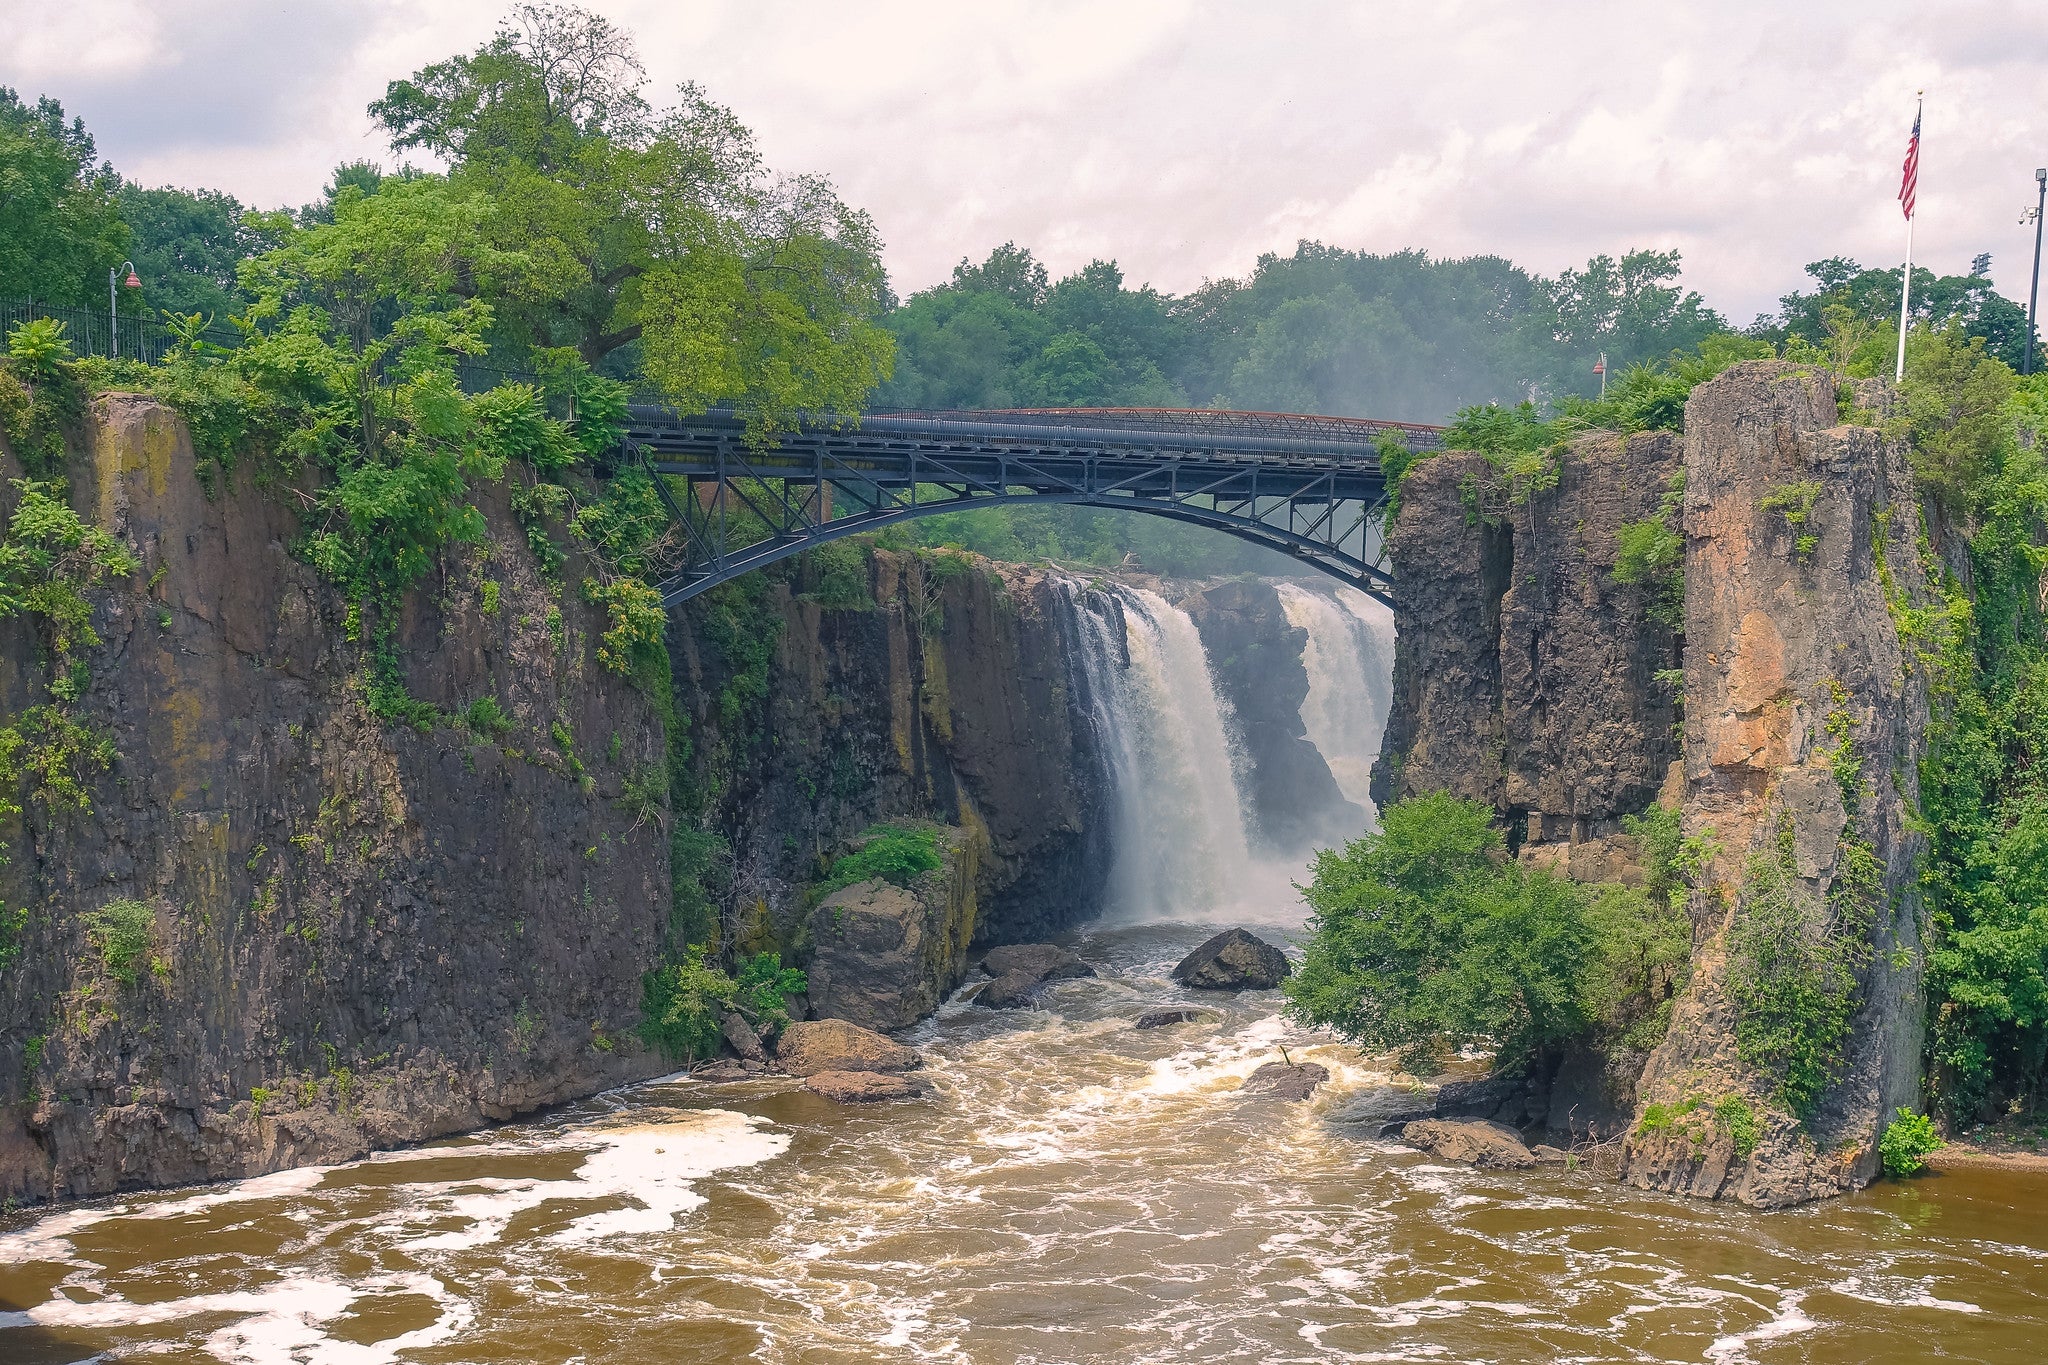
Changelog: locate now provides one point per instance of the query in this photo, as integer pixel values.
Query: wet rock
(1279, 1081)
(820, 1045)
(1476, 1142)
(1385, 1108)
(866, 1087)
(1547, 1155)
(1039, 961)
(1233, 961)
(1011, 991)
(1167, 1017)
(1498, 1096)
(884, 956)
(724, 1069)
(741, 1038)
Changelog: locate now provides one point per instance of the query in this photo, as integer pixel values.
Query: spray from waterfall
(1349, 660)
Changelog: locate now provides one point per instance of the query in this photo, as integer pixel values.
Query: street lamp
(133, 281)
(2034, 290)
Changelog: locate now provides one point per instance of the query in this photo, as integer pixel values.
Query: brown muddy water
(1078, 1191)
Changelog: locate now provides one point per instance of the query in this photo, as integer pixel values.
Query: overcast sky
(1184, 137)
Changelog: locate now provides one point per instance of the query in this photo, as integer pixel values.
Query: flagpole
(1906, 280)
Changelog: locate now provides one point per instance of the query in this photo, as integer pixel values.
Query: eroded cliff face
(1255, 659)
(950, 694)
(1805, 724)
(1524, 675)
(362, 935)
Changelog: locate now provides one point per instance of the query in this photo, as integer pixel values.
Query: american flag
(1910, 185)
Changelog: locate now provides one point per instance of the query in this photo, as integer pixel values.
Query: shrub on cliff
(683, 1004)
(1428, 938)
(898, 854)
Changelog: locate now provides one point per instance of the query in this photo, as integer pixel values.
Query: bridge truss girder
(747, 506)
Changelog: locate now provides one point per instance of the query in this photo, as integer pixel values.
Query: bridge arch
(1304, 486)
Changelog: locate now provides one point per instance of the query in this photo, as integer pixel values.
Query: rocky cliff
(1805, 724)
(1525, 676)
(1528, 677)
(943, 688)
(1255, 658)
(357, 934)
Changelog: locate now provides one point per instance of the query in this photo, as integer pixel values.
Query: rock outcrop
(1285, 1081)
(1805, 717)
(1524, 675)
(1475, 1142)
(1255, 660)
(885, 956)
(359, 933)
(1233, 960)
(945, 689)
(812, 1046)
(866, 1087)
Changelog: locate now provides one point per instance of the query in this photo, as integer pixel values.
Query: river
(1077, 1191)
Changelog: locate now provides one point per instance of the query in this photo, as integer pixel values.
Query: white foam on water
(1787, 1320)
(50, 1238)
(1899, 1296)
(653, 1163)
(281, 1323)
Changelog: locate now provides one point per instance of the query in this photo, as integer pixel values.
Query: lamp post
(113, 305)
(2034, 289)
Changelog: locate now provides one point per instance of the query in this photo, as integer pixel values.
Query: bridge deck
(1304, 486)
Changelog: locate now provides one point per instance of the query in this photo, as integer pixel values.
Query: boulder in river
(1233, 961)
(1183, 1014)
(1010, 991)
(808, 1048)
(1281, 1081)
(1476, 1142)
(1384, 1108)
(1039, 961)
(866, 1087)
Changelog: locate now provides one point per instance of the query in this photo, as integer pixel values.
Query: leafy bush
(1651, 553)
(898, 854)
(684, 1003)
(122, 930)
(837, 573)
(637, 622)
(1907, 1140)
(487, 718)
(1792, 977)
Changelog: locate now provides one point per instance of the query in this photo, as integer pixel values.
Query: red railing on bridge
(1207, 421)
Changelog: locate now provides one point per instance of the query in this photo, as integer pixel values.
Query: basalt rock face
(1255, 661)
(363, 935)
(1524, 677)
(1523, 673)
(1805, 719)
(884, 956)
(948, 691)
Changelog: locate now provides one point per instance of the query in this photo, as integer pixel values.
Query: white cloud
(1183, 137)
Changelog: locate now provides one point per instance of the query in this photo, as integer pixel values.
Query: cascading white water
(1181, 848)
(1349, 659)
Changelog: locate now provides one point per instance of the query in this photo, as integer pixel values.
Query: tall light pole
(113, 306)
(2034, 289)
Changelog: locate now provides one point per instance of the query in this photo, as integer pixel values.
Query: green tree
(1869, 299)
(653, 229)
(187, 246)
(1426, 939)
(59, 227)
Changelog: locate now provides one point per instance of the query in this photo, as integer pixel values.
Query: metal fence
(91, 332)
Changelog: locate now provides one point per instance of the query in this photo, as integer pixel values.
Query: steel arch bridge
(1305, 486)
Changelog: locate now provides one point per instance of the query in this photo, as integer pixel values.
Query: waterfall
(1350, 659)
(1179, 836)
